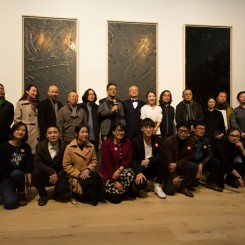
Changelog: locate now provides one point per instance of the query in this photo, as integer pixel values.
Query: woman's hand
(219, 136)
(176, 181)
(118, 185)
(116, 174)
(53, 179)
(84, 174)
(140, 178)
(241, 181)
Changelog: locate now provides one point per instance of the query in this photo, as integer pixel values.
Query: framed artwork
(132, 52)
(207, 61)
(50, 54)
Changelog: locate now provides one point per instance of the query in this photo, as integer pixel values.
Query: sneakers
(158, 191)
(22, 199)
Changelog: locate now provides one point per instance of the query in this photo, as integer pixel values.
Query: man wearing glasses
(179, 151)
(110, 111)
(204, 157)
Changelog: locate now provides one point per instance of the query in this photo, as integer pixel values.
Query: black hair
(147, 122)
(238, 95)
(160, 97)
(78, 127)
(15, 127)
(232, 130)
(185, 90)
(183, 124)
(110, 84)
(122, 126)
(197, 123)
(25, 95)
(52, 126)
(85, 95)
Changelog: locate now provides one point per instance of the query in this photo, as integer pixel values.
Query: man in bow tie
(131, 109)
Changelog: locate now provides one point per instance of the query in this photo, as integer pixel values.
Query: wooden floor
(208, 218)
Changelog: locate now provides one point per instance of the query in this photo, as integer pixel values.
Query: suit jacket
(106, 116)
(139, 152)
(132, 117)
(45, 163)
(173, 155)
(46, 116)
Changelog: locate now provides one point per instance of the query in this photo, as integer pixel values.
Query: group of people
(51, 144)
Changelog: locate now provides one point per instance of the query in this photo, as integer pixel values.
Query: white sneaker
(158, 191)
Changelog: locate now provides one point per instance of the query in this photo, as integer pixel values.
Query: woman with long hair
(15, 162)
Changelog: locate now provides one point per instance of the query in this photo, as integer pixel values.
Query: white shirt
(224, 114)
(154, 113)
(148, 150)
(53, 150)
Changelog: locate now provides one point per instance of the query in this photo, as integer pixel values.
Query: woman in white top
(152, 111)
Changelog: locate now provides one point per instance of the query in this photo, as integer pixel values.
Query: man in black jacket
(188, 110)
(6, 115)
(148, 162)
(47, 110)
(131, 109)
(48, 166)
(204, 157)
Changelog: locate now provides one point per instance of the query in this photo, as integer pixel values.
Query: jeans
(9, 186)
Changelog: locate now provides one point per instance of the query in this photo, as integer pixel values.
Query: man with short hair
(238, 115)
(204, 157)
(70, 116)
(6, 115)
(178, 151)
(47, 110)
(188, 110)
(224, 107)
(148, 162)
(48, 166)
(131, 109)
(110, 111)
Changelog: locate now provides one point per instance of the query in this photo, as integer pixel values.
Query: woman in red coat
(116, 161)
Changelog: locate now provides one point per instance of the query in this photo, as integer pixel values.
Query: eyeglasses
(234, 136)
(183, 131)
(201, 129)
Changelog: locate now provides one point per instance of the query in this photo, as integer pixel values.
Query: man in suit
(131, 109)
(110, 111)
(179, 151)
(48, 167)
(47, 110)
(148, 162)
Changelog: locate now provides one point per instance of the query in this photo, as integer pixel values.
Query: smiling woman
(15, 162)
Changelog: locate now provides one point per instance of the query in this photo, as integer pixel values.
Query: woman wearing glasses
(115, 167)
(232, 155)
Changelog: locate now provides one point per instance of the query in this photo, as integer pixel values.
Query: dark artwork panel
(132, 57)
(207, 57)
(50, 54)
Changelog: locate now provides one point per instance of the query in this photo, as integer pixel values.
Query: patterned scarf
(223, 106)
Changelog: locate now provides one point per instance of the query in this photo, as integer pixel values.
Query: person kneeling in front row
(48, 167)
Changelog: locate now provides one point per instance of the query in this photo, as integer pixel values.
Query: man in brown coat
(179, 150)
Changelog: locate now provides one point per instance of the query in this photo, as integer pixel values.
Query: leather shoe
(186, 192)
(43, 201)
(190, 188)
(214, 187)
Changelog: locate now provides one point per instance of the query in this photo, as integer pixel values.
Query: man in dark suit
(179, 151)
(148, 162)
(131, 109)
(47, 111)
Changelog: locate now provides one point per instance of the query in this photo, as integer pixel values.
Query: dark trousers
(9, 186)
(41, 180)
(213, 167)
(187, 172)
(156, 170)
(240, 168)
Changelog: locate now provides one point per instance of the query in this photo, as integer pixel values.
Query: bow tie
(134, 101)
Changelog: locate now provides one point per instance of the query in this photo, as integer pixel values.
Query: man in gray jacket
(110, 111)
(70, 116)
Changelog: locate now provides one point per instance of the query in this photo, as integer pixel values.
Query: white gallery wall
(171, 16)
